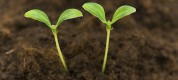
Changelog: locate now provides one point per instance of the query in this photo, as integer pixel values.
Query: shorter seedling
(98, 11)
(42, 17)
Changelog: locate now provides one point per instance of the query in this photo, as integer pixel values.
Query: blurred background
(143, 46)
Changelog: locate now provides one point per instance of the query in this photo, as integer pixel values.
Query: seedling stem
(108, 29)
(59, 49)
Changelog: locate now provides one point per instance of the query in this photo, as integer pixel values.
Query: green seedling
(42, 17)
(98, 11)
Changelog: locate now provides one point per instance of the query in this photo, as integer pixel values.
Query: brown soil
(143, 46)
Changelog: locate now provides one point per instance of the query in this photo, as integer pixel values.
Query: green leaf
(69, 14)
(96, 10)
(38, 15)
(122, 12)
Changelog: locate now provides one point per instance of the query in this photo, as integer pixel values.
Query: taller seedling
(42, 17)
(98, 11)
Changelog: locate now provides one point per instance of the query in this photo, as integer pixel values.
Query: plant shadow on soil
(143, 46)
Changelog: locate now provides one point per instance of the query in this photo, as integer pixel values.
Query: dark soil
(143, 46)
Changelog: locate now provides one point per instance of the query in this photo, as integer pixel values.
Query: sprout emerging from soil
(98, 11)
(42, 17)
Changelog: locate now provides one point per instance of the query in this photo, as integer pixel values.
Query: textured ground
(143, 46)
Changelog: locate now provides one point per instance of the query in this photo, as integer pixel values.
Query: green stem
(106, 50)
(59, 50)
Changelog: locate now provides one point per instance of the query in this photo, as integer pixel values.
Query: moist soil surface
(143, 46)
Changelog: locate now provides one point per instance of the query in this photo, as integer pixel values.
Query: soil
(143, 46)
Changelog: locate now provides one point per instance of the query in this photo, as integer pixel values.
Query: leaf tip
(26, 14)
(133, 9)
